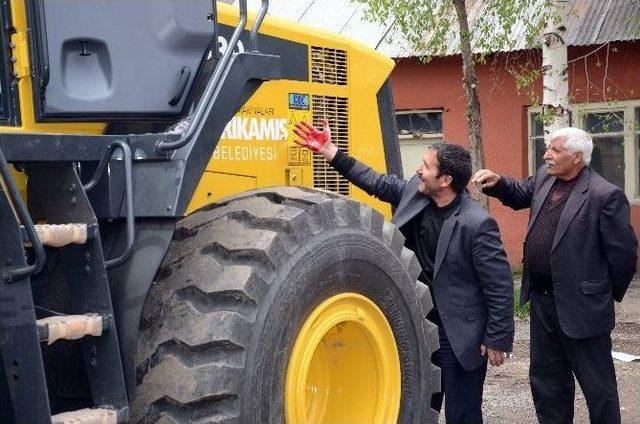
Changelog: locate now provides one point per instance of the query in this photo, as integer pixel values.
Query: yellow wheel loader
(168, 253)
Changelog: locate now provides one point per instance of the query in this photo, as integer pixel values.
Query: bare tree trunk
(555, 81)
(470, 85)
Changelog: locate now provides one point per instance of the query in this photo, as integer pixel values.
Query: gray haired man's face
(560, 162)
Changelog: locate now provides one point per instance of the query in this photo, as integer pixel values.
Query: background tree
(555, 80)
(483, 27)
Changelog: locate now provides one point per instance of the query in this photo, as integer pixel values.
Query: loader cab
(86, 66)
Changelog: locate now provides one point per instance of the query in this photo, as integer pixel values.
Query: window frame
(531, 149)
(630, 147)
(426, 137)
(423, 141)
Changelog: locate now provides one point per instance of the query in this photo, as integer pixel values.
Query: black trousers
(556, 358)
(461, 389)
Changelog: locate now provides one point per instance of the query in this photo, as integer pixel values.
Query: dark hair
(454, 161)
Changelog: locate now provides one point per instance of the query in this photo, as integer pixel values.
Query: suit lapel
(574, 203)
(445, 236)
(540, 198)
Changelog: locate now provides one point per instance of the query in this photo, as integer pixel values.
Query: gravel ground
(507, 396)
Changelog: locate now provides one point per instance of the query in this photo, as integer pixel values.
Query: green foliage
(525, 75)
(521, 311)
(426, 24)
(546, 115)
(525, 79)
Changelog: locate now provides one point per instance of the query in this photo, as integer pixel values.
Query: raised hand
(314, 139)
(485, 178)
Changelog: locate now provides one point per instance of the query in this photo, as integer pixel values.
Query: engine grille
(335, 109)
(328, 66)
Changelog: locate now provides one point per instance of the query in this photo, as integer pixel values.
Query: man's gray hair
(575, 140)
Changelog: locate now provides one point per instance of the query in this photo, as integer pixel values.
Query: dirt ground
(507, 396)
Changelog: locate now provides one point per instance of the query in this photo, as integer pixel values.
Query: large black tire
(237, 283)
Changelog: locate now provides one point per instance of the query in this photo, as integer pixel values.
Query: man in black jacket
(463, 261)
(579, 256)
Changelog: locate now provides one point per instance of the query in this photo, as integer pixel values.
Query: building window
(536, 140)
(417, 129)
(615, 129)
(607, 130)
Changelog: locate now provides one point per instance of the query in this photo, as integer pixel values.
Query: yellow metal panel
(20, 55)
(259, 139)
(257, 147)
(216, 185)
(294, 176)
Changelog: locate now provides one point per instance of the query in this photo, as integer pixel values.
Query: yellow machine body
(257, 148)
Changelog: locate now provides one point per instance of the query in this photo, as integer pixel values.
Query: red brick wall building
(604, 81)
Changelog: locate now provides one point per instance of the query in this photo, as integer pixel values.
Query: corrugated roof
(597, 22)
(588, 22)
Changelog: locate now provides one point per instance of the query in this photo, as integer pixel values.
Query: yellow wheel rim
(344, 367)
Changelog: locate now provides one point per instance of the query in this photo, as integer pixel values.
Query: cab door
(99, 59)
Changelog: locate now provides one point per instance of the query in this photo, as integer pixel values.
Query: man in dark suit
(579, 256)
(462, 258)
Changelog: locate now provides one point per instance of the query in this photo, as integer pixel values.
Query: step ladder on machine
(63, 261)
(26, 330)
